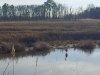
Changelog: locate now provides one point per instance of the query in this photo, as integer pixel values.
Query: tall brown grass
(26, 33)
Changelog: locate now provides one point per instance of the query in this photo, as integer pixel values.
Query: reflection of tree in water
(87, 49)
(25, 54)
(36, 66)
(12, 58)
(6, 68)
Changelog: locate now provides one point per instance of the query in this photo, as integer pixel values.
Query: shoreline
(45, 46)
(47, 33)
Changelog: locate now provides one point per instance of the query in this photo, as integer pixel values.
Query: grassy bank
(47, 34)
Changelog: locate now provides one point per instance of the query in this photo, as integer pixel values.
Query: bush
(5, 47)
(41, 46)
(28, 40)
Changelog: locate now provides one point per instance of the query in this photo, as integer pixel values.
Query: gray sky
(73, 3)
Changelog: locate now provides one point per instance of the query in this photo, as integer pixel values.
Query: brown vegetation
(27, 33)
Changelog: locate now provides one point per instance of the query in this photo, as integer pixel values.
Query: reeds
(30, 33)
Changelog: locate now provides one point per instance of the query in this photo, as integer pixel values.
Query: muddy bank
(47, 45)
(19, 47)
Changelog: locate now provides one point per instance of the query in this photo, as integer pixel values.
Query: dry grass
(11, 30)
(26, 33)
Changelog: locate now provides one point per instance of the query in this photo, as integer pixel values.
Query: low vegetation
(43, 35)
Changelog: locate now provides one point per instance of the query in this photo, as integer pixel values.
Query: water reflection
(6, 68)
(12, 59)
(36, 66)
(51, 62)
(25, 54)
(87, 51)
(66, 54)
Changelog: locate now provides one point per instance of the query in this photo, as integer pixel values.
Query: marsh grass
(30, 33)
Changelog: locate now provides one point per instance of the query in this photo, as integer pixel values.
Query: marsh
(50, 48)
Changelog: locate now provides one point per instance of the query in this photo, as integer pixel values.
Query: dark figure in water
(66, 50)
(66, 55)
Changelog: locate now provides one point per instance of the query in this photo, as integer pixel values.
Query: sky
(73, 3)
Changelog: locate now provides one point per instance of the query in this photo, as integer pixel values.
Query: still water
(54, 62)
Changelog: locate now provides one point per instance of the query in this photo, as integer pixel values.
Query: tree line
(48, 10)
(91, 12)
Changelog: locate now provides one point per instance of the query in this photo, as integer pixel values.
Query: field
(29, 33)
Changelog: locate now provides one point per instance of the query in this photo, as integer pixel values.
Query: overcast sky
(73, 3)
